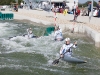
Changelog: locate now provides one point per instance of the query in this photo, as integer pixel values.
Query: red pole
(55, 19)
(73, 28)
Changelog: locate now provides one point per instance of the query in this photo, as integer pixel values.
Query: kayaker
(66, 48)
(58, 34)
(30, 33)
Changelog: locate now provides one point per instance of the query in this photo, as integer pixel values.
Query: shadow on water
(22, 56)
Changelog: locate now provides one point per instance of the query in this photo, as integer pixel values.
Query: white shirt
(95, 13)
(21, 4)
(65, 49)
(58, 34)
(74, 6)
(52, 6)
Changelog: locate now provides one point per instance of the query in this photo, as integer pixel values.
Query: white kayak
(72, 59)
(25, 35)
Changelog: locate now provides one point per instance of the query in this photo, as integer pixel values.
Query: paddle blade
(55, 61)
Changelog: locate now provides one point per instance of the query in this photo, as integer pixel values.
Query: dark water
(23, 56)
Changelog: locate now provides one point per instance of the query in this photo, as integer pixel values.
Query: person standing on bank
(30, 5)
(98, 7)
(89, 8)
(77, 13)
(74, 8)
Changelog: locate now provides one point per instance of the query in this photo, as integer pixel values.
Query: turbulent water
(23, 56)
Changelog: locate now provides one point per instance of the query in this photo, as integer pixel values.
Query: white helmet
(67, 39)
(30, 28)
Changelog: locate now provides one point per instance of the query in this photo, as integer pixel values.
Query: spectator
(77, 13)
(52, 6)
(63, 4)
(65, 11)
(74, 7)
(21, 5)
(16, 7)
(25, 6)
(61, 9)
(57, 9)
(30, 5)
(89, 8)
(98, 7)
(84, 13)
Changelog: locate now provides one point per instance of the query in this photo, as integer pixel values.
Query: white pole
(91, 14)
(50, 5)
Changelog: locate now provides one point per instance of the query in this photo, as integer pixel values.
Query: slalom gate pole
(73, 27)
(55, 19)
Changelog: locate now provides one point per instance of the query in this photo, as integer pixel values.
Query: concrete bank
(81, 28)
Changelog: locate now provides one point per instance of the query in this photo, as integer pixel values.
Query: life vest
(58, 34)
(66, 49)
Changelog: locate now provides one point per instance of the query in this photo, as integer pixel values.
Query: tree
(19, 1)
(86, 4)
(7, 2)
(80, 4)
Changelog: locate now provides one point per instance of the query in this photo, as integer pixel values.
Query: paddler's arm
(62, 51)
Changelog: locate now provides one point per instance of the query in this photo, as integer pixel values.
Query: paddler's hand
(61, 55)
(75, 43)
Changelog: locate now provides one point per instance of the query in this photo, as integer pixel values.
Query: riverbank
(92, 28)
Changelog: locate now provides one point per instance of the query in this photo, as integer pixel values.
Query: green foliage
(19, 1)
(7, 2)
(86, 4)
(80, 5)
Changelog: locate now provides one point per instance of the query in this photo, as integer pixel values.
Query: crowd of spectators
(75, 10)
(96, 10)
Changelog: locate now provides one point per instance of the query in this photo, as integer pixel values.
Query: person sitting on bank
(58, 34)
(66, 48)
(95, 13)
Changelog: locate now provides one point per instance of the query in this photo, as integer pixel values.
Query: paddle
(57, 60)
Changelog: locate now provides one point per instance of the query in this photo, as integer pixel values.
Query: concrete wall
(94, 35)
